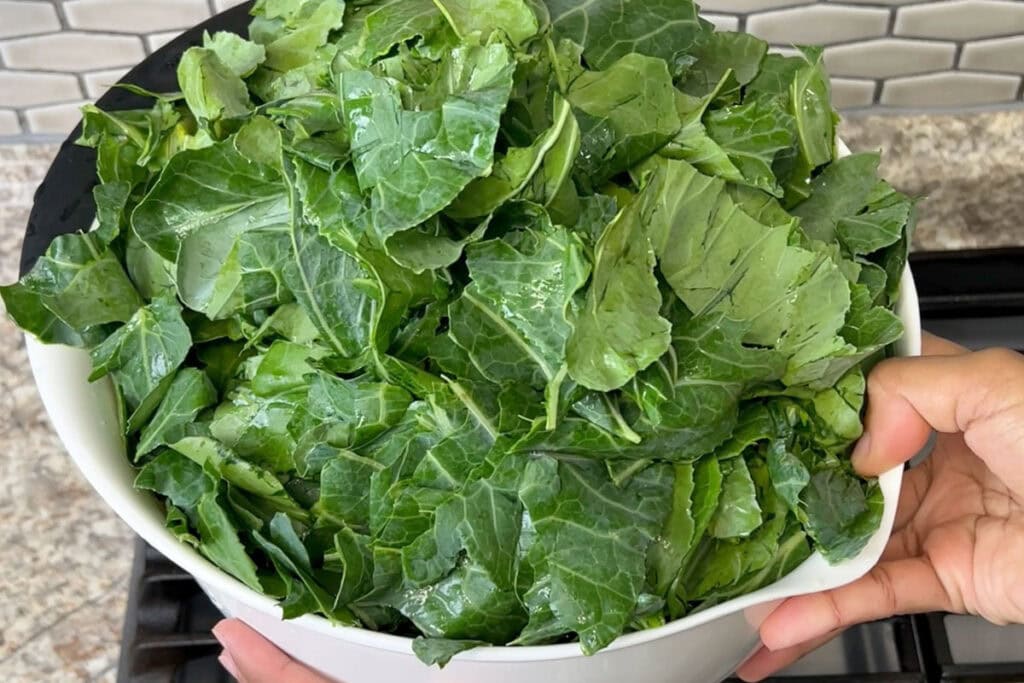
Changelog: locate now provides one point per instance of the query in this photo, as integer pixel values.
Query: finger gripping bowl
(701, 648)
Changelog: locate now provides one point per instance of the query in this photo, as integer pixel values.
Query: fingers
(894, 587)
(251, 658)
(765, 662)
(980, 394)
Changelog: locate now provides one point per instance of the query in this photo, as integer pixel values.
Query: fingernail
(228, 663)
(861, 450)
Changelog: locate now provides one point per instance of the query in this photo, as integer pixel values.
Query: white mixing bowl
(703, 648)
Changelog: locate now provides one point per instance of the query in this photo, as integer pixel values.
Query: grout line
(958, 54)
(62, 17)
(1020, 89)
(876, 98)
(82, 86)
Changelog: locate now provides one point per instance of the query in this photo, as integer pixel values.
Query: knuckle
(886, 590)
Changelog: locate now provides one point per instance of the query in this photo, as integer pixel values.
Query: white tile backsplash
(135, 16)
(19, 18)
(26, 89)
(819, 24)
(9, 122)
(850, 93)
(99, 82)
(723, 22)
(961, 19)
(72, 51)
(748, 6)
(950, 89)
(999, 54)
(906, 50)
(155, 41)
(57, 119)
(889, 57)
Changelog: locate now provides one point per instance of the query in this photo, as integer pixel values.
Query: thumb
(979, 394)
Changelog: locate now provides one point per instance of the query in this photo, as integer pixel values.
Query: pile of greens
(487, 321)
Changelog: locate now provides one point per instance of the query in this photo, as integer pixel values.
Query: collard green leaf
(625, 113)
(550, 155)
(482, 17)
(841, 191)
(514, 317)
(454, 599)
(415, 162)
(213, 190)
(734, 57)
(440, 651)
(393, 23)
(840, 515)
(751, 135)
(619, 330)
(580, 518)
(333, 289)
(239, 55)
(354, 558)
(219, 541)
(610, 29)
(738, 512)
(143, 354)
(190, 392)
(212, 89)
(257, 426)
(179, 479)
(677, 536)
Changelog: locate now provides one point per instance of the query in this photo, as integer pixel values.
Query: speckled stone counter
(64, 557)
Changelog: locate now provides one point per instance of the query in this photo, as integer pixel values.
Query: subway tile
(894, 3)
(72, 51)
(9, 123)
(723, 22)
(156, 41)
(99, 82)
(889, 57)
(24, 18)
(135, 15)
(58, 118)
(961, 19)
(821, 24)
(26, 89)
(849, 93)
(1001, 54)
(221, 5)
(748, 6)
(949, 89)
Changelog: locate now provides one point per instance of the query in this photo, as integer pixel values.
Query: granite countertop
(66, 557)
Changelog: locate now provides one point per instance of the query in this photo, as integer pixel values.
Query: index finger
(979, 394)
(257, 659)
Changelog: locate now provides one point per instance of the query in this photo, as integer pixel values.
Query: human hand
(251, 658)
(958, 540)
